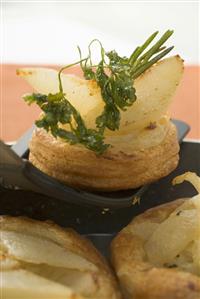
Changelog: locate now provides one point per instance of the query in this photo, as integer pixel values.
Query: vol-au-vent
(42, 260)
(109, 130)
(158, 254)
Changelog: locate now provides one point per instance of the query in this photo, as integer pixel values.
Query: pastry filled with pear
(157, 256)
(42, 260)
(109, 130)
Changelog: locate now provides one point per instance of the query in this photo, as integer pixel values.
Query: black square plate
(111, 200)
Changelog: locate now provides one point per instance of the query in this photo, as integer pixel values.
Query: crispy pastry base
(70, 240)
(140, 279)
(114, 170)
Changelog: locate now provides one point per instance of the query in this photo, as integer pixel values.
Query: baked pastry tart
(109, 130)
(41, 260)
(157, 256)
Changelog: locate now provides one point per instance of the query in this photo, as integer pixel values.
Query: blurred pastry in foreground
(157, 256)
(42, 260)
(111, 130)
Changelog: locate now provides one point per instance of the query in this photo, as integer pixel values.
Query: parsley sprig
(115, 76)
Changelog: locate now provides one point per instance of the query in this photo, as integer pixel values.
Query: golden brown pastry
(157, 256)
(118, 168)
(42, 260)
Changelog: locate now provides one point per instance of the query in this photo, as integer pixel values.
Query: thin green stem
(147, 65)
(64, 68)
(89, 49)
(140, 49)
(157, 46)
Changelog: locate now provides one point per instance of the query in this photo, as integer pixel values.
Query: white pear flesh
(22, 284)
(172, 236)
(83, 94)
(155, 89)
(181, 230)
(26, 247)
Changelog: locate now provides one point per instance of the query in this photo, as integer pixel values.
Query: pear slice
(82, 282)
(26, 248)
(25, 285)
(83, 94)
(172, 236)
(154, 89)
(179, 230)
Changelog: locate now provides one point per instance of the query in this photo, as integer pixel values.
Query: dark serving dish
(98, 224)
(22, 173)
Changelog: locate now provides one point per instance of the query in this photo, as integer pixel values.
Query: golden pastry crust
(103, 278)
(114, 170)
(140, 279)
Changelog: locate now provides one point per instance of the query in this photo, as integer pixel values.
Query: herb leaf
(58, 110)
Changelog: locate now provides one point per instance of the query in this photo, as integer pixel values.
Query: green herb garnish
(115, 76)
